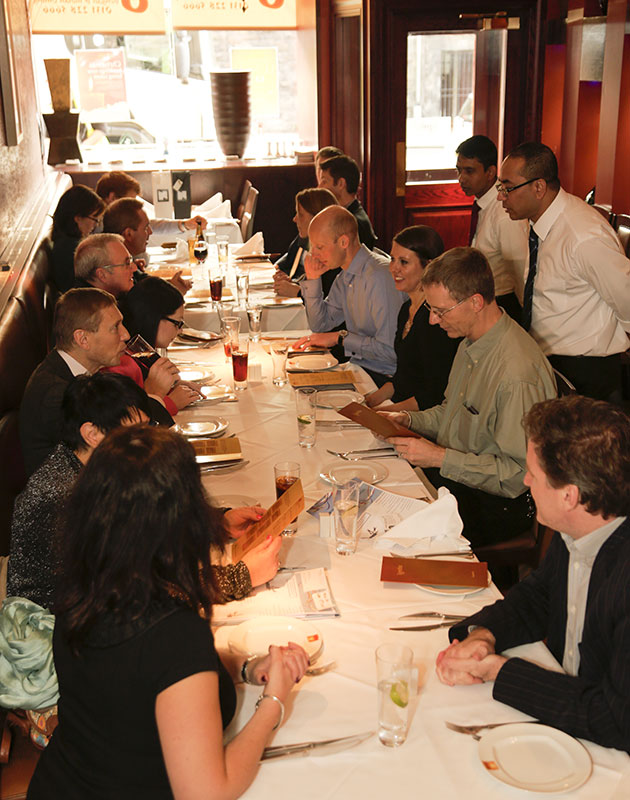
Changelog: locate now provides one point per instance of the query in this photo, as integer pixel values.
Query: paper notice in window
(282, 512)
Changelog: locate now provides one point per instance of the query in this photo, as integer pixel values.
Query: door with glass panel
(445, 73)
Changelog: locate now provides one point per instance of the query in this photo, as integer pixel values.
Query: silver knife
(223, 467)
(324, 747)
(434, 614)
(448, 624)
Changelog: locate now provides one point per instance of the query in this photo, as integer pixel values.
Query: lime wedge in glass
(399, 694)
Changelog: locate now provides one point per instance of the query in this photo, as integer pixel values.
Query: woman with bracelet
(424, 352)
(144, 695)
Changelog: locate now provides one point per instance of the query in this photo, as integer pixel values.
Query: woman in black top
(424, 352)
(144, 696)
(78, 212)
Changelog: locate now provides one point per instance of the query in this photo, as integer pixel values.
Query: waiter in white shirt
(576, 301)
(502, 240)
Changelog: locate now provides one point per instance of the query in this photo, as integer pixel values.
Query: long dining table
(434, 761)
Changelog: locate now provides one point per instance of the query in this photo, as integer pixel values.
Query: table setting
(344, 714)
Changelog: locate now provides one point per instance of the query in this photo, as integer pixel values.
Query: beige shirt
(582, 555)
(504, 242)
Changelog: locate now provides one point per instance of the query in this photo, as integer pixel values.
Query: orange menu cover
(275, 520)
(432, 572)
(383, 426)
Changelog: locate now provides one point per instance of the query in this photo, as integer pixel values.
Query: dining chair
(249, 211)
(622, 226)
(505, 558)
(247, 185)
(564, 386)
(605, 210)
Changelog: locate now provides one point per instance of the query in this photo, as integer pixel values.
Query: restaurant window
(152, 92)
(440, 100)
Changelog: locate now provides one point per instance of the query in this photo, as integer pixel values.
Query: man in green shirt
(476, 445)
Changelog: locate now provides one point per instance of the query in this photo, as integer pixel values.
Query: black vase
(231, 107)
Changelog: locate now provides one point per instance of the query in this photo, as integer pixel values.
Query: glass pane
(440, 97)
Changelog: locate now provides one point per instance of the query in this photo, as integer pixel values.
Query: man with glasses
(476, 444)
(577, 290)
(128, 218)
(103, 262)
(502, 240)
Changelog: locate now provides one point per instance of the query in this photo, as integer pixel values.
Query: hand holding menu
(383, 426)
(282, 512)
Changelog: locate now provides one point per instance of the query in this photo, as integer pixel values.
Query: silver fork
(312, 671)
(343, 454)
(473, 730)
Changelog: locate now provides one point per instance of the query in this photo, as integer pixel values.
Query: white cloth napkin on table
(252, 246)
(437, 527)
(222, 211)
(210, 203)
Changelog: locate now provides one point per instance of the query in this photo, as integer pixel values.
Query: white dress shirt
(75, 367)
(582, 555)
(503, 241)
(581, 304)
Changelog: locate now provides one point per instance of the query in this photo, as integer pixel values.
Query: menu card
(434, 573)
(208, 451)
(277, 517)
(383, 426)
(320, 379)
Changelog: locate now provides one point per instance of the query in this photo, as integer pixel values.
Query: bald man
(363, 294)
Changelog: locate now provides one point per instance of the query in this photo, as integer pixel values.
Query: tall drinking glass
(279, 348)
(305, 406)
(345, 515)
(223, 252)
(140, 350)
(230, 327)
(254, 315)
(394, 674)
(242, 286)
(286, 473)
(240, 350)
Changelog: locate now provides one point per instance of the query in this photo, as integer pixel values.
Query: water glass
(140, 350)
(344, 517)
(240, 350)
(279, 348)
(286, 473)
(230, 328)
(306, 405)
(394, 683)
(242, 286)
(254, 314)
(223, 251)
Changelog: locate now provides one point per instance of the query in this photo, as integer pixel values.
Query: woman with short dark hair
(144, 695)
(78, 212)
(424, 352)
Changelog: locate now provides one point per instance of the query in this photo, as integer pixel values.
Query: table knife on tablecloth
(321, 748)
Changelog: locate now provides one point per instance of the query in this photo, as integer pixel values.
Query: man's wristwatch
(341, 337)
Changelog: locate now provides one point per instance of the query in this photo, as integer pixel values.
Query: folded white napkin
(252, 246)
(222, 211)
(437, 526)
(210, 203)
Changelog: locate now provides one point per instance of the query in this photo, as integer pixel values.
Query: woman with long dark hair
(424, 352)
(78, 212)
(144, 696)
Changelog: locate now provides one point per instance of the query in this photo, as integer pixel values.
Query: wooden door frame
(385, 119)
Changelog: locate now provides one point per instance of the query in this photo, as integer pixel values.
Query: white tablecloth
(434, 762)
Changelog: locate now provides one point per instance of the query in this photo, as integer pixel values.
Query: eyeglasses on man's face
(442, 312)
(506, 190)
(178, 323)
(126, 263)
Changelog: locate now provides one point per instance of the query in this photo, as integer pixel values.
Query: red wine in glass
(216, 289)
(146, 358)
(200, 250)
(239, 366)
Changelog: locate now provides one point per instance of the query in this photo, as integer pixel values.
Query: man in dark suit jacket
(89, 334)
(578, 600)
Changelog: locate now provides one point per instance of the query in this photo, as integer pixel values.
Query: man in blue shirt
(363, 294)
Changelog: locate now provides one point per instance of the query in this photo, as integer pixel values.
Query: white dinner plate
(254, 636)
(454, 591)
(234, 501)
(340, 473)
(338, 398)
(203, 336)
(535, 757)
(314, 363)
(272, 302)
(214, 426)
(195, 375)
(215, 392)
